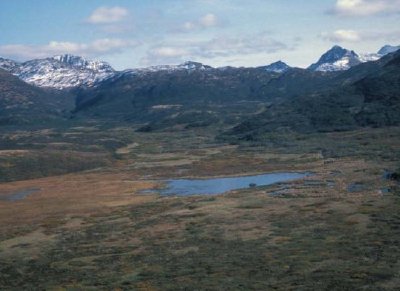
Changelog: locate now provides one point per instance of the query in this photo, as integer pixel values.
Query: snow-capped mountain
(6, 64)
(68, 71)
(277, 67)
(64, 71)
(339, 59)
(387, 49)
(187, 66)
(336, 59)
(369, 57)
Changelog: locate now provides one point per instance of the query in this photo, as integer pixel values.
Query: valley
(82, 169)
(101, 229)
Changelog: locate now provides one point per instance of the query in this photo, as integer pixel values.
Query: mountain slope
(387, 49)
(277, 67)
(60, 72)
(336, 59)
(179, 98)
(7, 64)
(68, 71)
(202, 96)
(340, 59)
(22, 104)
(366, 95)
(187, 66)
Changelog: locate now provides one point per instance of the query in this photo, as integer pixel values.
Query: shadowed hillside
(366, 95)
(21, 103)
(193, 98)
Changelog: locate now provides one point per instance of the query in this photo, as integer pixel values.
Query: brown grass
(64, 196)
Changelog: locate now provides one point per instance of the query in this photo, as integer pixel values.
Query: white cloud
(189, 25)
(168, 52)
(365, 7)
(95, 48)
(206, 21)
(342, 35)
(219, 47)
(107, 15)
(348, 35)
(222, 46)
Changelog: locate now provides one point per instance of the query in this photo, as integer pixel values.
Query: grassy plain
(95, 229)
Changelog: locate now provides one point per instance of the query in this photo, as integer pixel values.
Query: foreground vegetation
(336, 230)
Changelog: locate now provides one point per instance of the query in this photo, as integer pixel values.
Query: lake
(213, 186)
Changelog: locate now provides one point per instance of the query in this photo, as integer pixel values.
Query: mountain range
(254, 99)
(366, 95)
(340, 59)
(243, 103)
(60, 72)
(68, 71)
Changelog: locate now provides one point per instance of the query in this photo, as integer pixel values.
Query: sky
(141, 33)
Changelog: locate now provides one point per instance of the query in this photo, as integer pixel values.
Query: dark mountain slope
(366, 95)
(381, 92)
(193, 98)
(189, 98)
(21, 103)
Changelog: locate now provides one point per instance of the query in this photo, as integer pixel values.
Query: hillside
(366, 95)
(59, 72)
(193, 98)
(24, 104)
(196, 95)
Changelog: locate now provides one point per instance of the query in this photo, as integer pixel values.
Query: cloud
(173, 53)
(189, 26)
(223, 46)
(348, 35)
(168, 52)
(94, 48)
(107, 15)
(342, 35)
(365, 7)
(206, 21)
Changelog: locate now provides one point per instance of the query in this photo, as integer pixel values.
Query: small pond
(356, 187)
(19, 195)
(213, 186)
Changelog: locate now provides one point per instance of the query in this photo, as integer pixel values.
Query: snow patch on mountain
(336, 59)
(187, 66)
(7, 64)
(68, 71)
(387, 49)
(340, 59)
(60, 72)
(369, 57)
(277, 67)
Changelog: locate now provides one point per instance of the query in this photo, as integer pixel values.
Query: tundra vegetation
(92, 222)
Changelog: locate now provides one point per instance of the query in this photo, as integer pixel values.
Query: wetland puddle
(187, 187)
(19, 195)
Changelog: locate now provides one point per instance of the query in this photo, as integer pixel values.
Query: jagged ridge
(340, 59)
(68, 71)
(60, 72)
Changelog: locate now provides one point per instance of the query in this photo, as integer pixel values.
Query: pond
(213, 186)
(356, 187)
(19, 195)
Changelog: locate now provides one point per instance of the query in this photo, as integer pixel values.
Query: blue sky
(139, 33)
